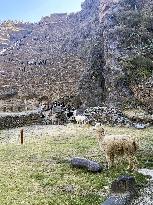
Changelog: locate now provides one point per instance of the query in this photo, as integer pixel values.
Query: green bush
(138, 68)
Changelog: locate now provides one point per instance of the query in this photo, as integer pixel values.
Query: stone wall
(12, 120)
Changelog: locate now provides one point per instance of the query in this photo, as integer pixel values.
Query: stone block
(123, 184)
(122, 191)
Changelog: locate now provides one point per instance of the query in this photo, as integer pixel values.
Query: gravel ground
(146, 196)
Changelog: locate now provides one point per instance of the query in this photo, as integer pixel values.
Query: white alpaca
(117, 145)
(80, 119)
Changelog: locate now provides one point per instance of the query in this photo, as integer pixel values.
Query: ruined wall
(12, 120)
(54, 59)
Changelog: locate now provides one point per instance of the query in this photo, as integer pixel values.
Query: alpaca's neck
(101, 136)
(74, 113)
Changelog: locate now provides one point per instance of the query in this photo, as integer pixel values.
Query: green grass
(37, 173)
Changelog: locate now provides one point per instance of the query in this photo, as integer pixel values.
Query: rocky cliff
(128, 49)
(100, 54)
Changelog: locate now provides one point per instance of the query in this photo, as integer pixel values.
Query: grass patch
(38, 173)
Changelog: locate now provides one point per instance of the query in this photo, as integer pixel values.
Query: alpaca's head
(100, 131)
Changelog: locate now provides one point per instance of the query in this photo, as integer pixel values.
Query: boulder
(86, 164)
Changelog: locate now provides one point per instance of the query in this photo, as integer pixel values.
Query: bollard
(21, 135)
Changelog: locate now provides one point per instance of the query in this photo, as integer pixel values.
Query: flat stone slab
(122, 199)
(146, 194)
(86, 164)
(145, 197)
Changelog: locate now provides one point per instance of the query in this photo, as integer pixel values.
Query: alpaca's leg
(87, 124)
(101, 148)
(110, 160)
(130, 162)
(135, 163)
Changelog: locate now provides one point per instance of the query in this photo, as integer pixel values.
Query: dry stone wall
(12, 120)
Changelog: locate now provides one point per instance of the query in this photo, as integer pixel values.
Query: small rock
(140, 126)
(123, 199)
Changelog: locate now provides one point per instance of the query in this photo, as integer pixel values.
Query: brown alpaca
(117, 145)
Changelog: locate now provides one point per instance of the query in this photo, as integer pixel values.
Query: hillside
(104, 53)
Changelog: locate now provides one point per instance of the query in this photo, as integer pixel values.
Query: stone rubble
(108, 115)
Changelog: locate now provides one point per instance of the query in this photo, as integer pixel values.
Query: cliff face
(93, 56)
(128, 50)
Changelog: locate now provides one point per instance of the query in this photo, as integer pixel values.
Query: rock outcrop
(127, 47)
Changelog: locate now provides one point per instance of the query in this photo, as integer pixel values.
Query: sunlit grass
(38, 172)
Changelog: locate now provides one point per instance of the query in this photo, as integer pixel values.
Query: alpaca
(80, 119)
(54, 119)
(117, 145)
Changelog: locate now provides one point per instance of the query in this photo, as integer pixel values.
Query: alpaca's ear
(103, 130)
